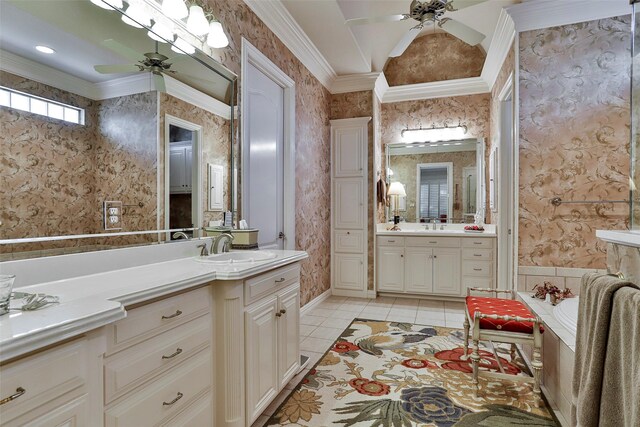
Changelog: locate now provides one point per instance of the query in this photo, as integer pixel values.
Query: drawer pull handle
(477, 269)
(178, 397)
(282, 279)
(19, 392)
(283, 311)
(477, 243)
(477, 254)
(278, 314)
(176, 314)
(391, 241)
(171, 356)
(433, 242)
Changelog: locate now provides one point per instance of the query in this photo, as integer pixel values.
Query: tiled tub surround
(106, 282)
(558, 353)
(530, 276)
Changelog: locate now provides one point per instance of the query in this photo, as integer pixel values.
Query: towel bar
(557, 201)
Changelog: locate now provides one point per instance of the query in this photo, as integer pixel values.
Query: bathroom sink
(240, 257)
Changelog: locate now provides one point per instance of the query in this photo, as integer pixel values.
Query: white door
(177, 173)
(263, 166)
(349, 199)
(505, 201)
(261, 356)
(288, 335)
(348, 149)
(446, 271)
(390, 269)
(349, 272)
(418, 270)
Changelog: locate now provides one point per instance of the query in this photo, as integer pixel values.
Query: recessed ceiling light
(45, 49)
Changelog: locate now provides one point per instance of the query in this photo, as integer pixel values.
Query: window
(44, 107)
(433, 190)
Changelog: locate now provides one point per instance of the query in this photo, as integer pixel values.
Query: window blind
(434, 192)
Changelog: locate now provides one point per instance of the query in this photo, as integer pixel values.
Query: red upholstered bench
(502, 320)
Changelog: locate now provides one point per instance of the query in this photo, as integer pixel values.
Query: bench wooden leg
(536, 364)
(475, 362)
(466, 338)
(514, 353)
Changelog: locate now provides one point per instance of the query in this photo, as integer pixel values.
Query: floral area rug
(388, 374)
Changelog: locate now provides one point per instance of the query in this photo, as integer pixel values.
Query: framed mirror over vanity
(111, 134)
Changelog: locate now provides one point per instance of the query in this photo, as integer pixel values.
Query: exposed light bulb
(182, 46)
(45, 49)
(136, 16)
(175, 9)
(197, 23)
(161, 31)
(108, 4)
(217, 38)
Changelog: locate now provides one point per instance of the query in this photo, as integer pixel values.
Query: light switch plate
(112, 215)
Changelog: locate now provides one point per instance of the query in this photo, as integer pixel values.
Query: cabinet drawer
(477, 268)
(130, 367)
(165, 397)
(390, 241)
(149, 320)
(264, 284)
(476, 282)
(477, 254)
(476, 242)
(349, 241)
(41, 378)
(442, 242)
(200, 414)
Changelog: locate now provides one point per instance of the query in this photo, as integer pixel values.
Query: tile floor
(320, 327)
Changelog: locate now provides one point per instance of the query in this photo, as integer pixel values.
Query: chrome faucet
(433, 223)
(180, 235)
(226, 240)
(203, 249)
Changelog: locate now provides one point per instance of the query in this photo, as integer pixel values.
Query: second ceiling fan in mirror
(429, 12)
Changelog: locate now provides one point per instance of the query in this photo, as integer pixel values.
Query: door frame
(196, 172)
(506, 171)
(449, 166)
(251, 55)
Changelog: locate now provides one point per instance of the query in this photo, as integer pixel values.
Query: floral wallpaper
(433, 58)
(361, 104)
(404, 168)
(313, 180)
(574, 140)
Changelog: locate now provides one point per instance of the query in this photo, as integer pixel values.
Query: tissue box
(242, 239)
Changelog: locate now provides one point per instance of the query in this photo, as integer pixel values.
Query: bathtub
(567, 313)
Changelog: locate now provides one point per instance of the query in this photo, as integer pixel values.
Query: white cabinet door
(348, 152)
(349, 272)
(261, 356)
(390, 269)
(446, 271)
(216, 187)
(348, 202)
(288, 335)
(188, 168)
(418, 270)
(176, 170)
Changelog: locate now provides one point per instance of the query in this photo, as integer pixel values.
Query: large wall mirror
(442, 180)
(107, 130)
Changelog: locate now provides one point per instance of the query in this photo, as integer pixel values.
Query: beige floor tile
(335, 298)
(352, 308)
(397, 318)
(329, 305)
(305, 330)
(454, 307)
(311, 320)
(317, 345)
(406, 302)
(313, 357)
(321, 312)
(429, 304)
(374, 315)
(336, 323)
(403, 311)
(349, 315)
(326, 333)
(427, 321)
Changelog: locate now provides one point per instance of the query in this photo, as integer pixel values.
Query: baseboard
(353, 294)
(314, 302)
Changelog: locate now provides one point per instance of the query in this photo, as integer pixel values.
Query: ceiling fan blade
(461, 4)
(116, 69)
(404, 43)
(461, 31)
(376, 20)
(123, 50)
(158, 81)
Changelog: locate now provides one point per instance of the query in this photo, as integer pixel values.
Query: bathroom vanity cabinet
(433, 265)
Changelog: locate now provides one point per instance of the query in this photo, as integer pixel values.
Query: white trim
(621, 237)
(195, 97)
(278, 19)
(449, 166)
(87, 236)
(354, 82)
(447, 88)
(315, 302)
(251, 55)
(503, 36)
(381, 87)
(516, 163)
(534, 15)
(196, 169)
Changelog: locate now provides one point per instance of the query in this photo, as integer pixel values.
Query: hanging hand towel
(381, 191)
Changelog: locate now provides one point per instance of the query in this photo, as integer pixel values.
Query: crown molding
(381, 87)
(503, 37)
(354, 83)
(195, 97)
(44, 74)
(447, 88)
(279, 20)
(534, 15)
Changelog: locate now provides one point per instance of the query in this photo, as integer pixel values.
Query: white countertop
(91, 301)
(621, 237)
(450, 230)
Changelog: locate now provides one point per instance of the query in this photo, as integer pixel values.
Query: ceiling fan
(429, 12)
(153, 62)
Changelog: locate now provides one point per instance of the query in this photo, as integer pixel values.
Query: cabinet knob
(401, 256)
(283, 311)
(348, 232)
(278, 314)
(435, 256)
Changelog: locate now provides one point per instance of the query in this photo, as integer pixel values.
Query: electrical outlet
(112, 215)
(114, 211)
(113, 219)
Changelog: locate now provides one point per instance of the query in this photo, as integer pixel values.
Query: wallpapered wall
(313, 196)
(404, 168)
(435, 57)
(574, 140)
(361, 104)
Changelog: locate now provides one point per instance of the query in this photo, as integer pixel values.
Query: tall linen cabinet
(349, 201)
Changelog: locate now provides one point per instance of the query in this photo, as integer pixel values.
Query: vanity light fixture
(175, 9)
(217, 38)
(45, 49)
(197, 22)
(137, 16)
(161, 31)
(108, 4)
(434, 134)
(182, 46)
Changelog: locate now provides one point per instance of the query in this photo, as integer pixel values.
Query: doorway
(268, 150)
(183, 186)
